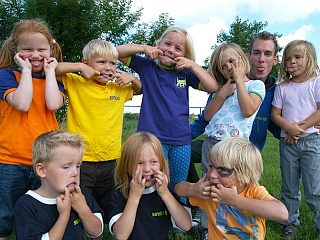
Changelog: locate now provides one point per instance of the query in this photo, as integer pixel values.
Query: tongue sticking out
(106, 75)
(36, 63)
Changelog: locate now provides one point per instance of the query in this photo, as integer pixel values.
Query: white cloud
(204, 36)
(301, 33)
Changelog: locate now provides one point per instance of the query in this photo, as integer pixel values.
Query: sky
(204, 19)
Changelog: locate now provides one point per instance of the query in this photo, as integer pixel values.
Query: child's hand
(224, 195)
(227, 89)
(22, 63)
(78, 201)
(295, 130)
(152, 52)
(183, 63)
(237, 70)
(88, 72)
(123, 78)
(137, 184)
(50, 64)
(290, 140)
(161, 182)
(201, 189)
(64, 202)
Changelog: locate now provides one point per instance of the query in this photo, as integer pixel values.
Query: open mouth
(148, 177)
(106, 75)
(167, 56)
(36, 63)
(72, 185)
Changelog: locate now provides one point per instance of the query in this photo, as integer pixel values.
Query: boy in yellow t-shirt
(95, 110)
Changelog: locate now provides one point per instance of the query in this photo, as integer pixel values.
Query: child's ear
(84, 61)
(40, 170)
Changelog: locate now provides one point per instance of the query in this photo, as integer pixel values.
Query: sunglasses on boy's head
(222, 171)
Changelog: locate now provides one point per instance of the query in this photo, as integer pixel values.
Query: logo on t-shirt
(181, 82)
(114, 98)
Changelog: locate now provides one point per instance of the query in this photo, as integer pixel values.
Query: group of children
(152, 170)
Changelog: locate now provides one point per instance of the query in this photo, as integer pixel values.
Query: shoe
(289, 232)
(196, 219)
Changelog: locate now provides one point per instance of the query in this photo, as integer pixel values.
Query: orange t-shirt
(18, 130)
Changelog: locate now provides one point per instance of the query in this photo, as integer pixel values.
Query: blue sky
(294, 19)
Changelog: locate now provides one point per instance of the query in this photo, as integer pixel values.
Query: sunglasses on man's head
(222, 171)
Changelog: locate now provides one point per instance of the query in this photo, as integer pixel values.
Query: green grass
(271, 179)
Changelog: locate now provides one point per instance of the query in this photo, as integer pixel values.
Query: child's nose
(212, 173)
(35, 53)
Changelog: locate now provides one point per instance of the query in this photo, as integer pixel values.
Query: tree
(241, 33)
(74, 22)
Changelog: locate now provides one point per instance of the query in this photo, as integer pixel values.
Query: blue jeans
(15, 180)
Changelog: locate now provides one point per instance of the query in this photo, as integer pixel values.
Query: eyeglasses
(222, 171)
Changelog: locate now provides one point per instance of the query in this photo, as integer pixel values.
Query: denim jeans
(15, 180)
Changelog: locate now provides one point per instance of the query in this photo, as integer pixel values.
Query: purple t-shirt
(165, 103)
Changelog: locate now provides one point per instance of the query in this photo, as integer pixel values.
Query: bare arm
(293, 129)
(64, 207)
(216, 103)
(68, 67)
(273, 210)
(91, 223)
(126, 50)
(248, 102)
(123, 227)
(54, 100)
(179, 214)
(21, 98)
(200, 189)
(123, 78)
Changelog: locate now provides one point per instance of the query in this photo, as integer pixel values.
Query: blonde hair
(189, 48)
(99, 47)
(130, 154)
(9, 46)
(241, 155)
(215, 66)
(307, 50)
(45, 146)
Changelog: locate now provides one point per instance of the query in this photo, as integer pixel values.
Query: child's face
(63, 171)
(222, 175)
(149, 164)
(34, 47)
(172, 46)
(106, 65)
(226, 64)
(296, 63)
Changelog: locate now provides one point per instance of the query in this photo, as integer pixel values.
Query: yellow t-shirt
(226, 222)
(96, 112)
